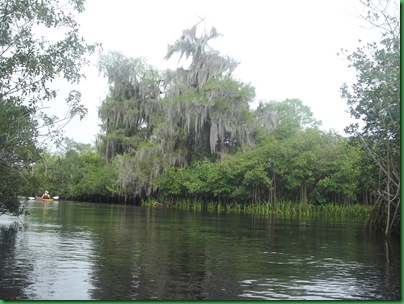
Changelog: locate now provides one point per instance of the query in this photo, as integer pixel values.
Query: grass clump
(278, 208)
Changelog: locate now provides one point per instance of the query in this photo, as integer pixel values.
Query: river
(81, 251)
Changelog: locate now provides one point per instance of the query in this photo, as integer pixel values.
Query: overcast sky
(286, 48)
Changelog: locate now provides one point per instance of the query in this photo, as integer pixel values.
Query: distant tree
(285, 117)
(76, 172)
(375, 100)
(29, 62)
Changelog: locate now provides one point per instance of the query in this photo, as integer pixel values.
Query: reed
(278, 208)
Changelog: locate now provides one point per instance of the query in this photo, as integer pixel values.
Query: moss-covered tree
(152, 119)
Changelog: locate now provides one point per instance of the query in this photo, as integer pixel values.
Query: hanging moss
(152, 119)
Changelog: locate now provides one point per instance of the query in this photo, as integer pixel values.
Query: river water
(81, 251)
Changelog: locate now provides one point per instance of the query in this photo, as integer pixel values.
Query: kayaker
(46, 194)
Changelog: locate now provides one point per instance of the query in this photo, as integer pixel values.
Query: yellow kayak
(45, 199)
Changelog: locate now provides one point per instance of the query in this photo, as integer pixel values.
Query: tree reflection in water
(12, 282)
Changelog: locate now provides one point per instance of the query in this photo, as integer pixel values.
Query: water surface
(81, 251)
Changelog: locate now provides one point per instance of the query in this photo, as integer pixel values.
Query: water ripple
(319, 279)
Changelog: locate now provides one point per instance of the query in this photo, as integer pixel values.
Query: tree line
(289, 163)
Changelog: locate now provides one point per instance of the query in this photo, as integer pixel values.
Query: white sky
(286, 48)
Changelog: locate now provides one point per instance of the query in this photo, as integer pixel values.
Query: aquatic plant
(279, 208)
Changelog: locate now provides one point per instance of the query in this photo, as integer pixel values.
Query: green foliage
(29, 62)
(341, 173)
(17, 151)
(310, 166)
(220, 91)
(285, 118)
(31, 57)
(17, 142)
(79, 173)
(375, 99)
(308, 161)
(97, 180)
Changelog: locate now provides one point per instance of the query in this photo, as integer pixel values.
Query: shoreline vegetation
(267, 208)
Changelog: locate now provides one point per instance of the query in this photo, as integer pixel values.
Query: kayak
(45, 199)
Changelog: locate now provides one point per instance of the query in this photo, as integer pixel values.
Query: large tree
(156, 118)
(29, 62)
(374, 99)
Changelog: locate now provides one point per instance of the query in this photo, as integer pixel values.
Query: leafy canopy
(29, 62)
